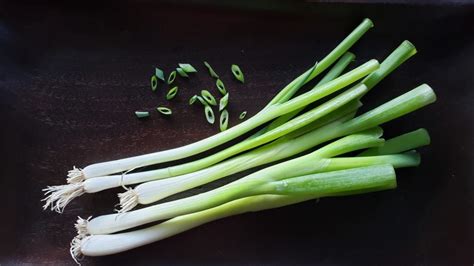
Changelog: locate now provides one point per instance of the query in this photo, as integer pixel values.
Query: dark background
(71, 77)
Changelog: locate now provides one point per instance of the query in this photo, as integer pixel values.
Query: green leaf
(181, 72)
(160, 74)
(188, 68)
(211, 71)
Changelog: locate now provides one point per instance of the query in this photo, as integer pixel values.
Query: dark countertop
(72, 76)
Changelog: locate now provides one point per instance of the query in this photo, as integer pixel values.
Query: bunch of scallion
(289, 125)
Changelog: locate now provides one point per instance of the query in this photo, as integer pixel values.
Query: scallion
(172, 93)
(221, 87)
(142, 114)
(211, 71)
(238, 74)
(223, 102)
(182, 73)
(208, 97)
(154, 83)
(224, 120)
(164, 110)
(188, 68)
(171, 77)
(243, 115)
(193, 99)
(160, 74)
(209, 114)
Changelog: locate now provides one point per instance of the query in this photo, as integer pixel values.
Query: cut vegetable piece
(243, 115)
(142, 114)
(172, 93)
(224, 120)
(220, 86)
(209, 114)
(208, 97)
(164, 110)
(154, 83)
(211, 71)
(223, 102)
(181, 72)
(202, 101)
(172, 77)
(193, 99)
(188, 68)
(160, 74)
(238, 74)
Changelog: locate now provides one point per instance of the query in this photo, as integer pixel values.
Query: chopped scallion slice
(164, 110)
(238, 74)
(171, 93)
(220, 86)
(172, 77)
(224, 120)
(188, 68)
(154, 83)
(209, 114)
(159, 74)
(223, 102)
(181, 72)
(193, 99)
(202, 101)
(242, 115)
(142, 114)
(211, 71)
(208, 97)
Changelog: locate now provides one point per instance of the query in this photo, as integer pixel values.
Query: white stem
(75, 176)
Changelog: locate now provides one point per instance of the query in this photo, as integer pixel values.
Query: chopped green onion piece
(182, 73)
(171, 77)
(193, 99)
(141, 114)
(223, 102)
(220, 86)
(160, 74)
(208, 97)
(238, 74)
(202, 101)
(171, 93)
(224, 120)
(209, 114)
(154, 83)
(211, 71)
(242, 115)
(164, 110)
(188, 68)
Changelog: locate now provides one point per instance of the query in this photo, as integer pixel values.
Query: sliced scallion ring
(224, 120)
(154, 83)
(188, 68)
(160, 74)
(142, 114)
(223, 102)
(211, 71)
(209, 114)
(171, 93)
(193, 99)
(171, 77)
(164, 110)
(208, 97)
(202, 101)
(238, 74)
(181, 72)
(242, 115)
(220, 86)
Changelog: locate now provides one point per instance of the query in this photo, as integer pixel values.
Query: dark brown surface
(71, 77)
